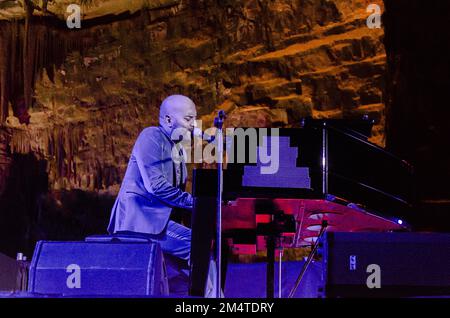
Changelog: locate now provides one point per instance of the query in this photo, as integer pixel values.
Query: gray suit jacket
(148, 193)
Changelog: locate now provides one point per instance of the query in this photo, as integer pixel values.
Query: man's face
(184, 116)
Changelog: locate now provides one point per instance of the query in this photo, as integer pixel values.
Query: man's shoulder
(151, 131)
(149, 136)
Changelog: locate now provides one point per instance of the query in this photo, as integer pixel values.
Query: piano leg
(203, 237)
(202, 223)
(270, 266)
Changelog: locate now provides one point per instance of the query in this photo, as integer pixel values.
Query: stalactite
(28, 54)
(4, 70)
(26, 49)
(56, 144)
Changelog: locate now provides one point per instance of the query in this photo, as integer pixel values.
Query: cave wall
(417, 41)
(267, 63)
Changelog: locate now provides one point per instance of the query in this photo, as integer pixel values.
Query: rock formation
(75, 100)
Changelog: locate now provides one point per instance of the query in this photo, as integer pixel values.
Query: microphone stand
(309, 259)
(218, 123)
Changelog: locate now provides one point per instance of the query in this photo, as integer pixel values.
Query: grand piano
(282, 184)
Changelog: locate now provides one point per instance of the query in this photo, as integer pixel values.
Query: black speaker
(9, 270)
(385, 265)
(98, 268)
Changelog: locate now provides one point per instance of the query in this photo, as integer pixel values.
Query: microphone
(198, 133)
(218, 121)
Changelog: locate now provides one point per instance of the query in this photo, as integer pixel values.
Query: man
(154, 181)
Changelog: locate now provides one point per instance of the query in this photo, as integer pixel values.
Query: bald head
(177, 111)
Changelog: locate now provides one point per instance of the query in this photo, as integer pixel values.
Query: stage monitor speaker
(98, 269)
(8, 273)
(385, 264)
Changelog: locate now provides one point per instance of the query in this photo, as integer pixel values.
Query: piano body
(327, 170)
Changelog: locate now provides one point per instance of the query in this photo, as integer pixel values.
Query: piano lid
(358, 127)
